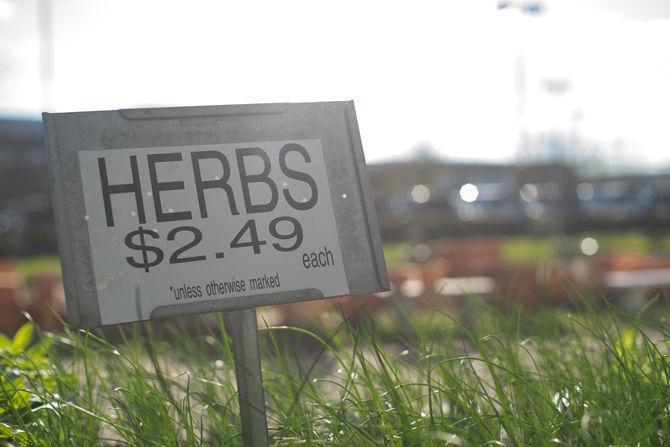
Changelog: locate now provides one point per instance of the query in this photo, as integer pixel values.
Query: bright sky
(441, 72)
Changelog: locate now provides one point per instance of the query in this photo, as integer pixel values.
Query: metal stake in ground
(243, 326)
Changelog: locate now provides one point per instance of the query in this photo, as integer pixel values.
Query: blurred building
(26, 217)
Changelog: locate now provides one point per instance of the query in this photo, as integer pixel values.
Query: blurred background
(518, 150)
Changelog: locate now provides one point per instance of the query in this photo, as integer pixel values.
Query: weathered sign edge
(62, 227)
(365, 188)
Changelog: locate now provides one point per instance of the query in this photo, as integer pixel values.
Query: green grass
(543, 248)
(529, 250)
(477, 377)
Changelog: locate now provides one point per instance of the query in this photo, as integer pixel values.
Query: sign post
(243, 325)
(214, 208)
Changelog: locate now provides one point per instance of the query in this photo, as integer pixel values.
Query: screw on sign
(200, 209)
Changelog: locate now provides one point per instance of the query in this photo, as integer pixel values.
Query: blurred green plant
(28, 383)
(639, 355)
(527, 250)
(31, 266)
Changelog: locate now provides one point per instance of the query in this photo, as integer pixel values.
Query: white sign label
(209, 222)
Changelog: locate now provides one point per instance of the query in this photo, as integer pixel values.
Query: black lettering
(297, 175)
(108, 190)
(157, 187)
(305, 260)
(263, 177)
(222, 183)
(330, 260)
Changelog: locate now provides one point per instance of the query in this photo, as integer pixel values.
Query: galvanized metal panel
(332, 123)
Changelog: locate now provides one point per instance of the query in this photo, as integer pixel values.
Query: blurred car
(615, 202)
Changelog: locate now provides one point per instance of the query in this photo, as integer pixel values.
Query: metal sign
(210, 208)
